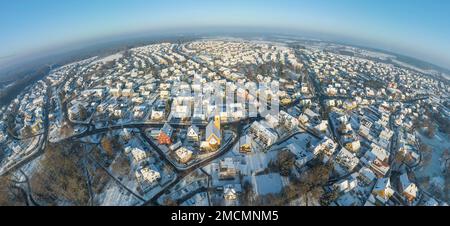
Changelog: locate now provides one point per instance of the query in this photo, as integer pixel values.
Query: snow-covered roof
(407, 186)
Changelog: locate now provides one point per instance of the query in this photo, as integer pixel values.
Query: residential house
(353, 146)
(165, 134)
(327, 146)
(302, 156)
(347, 159)
(147, 175)
(366, 175)
(193, 133)
(229, 193)
(213, 134)
(245, 144)
(183, 155)
(137, 153)
(383, 190)
(227, 169)
(263, 133)
(409, 189)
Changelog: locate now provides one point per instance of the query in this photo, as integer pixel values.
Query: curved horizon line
(72, 45)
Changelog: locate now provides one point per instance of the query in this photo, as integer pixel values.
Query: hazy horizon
(412, 28)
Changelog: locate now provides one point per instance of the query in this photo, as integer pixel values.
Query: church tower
(217, 122)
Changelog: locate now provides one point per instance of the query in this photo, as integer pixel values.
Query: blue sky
(418, 28)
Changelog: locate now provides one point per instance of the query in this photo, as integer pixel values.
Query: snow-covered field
(438, 144)
(108, 58)
(200, 199)
(269, 183)
(114, 195)
(434, 168)
(429, 72)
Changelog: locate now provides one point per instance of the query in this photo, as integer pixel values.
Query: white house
(147, 175)
(383, 189)
(193, 133)
(409, 189)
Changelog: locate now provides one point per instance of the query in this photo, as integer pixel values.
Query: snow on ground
(30, 145)
(108, 58)
(434, 168)
(257, 162)
(348, 200)
(428, 72)
(300, 139)
(55, 134)
(285, 181)
(438, 182)
(94, 139)
(438, 144)
(301, 201)
(113, 195)
(81, 62)
(266, 184)
(200, 199)
(28, 169)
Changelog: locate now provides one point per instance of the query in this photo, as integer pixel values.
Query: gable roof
(383, 188)
(407, 185)
(194, 129)
(382, 184)
(211, 129)
(167, 129)
(310, 113)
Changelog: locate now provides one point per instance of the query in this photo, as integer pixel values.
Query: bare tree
(313, 181)
(107, 145)
(10, 194)
(27, 132)
(60, 177)
(247, 194)
(285, 161)
(121, 165)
